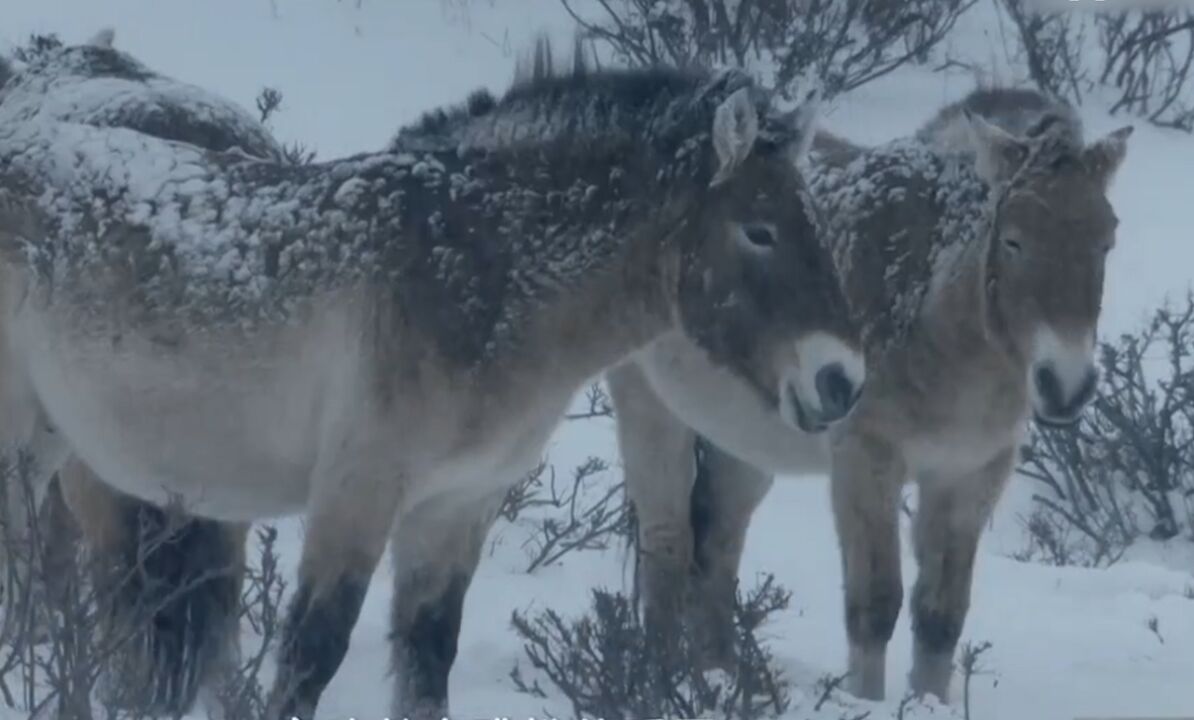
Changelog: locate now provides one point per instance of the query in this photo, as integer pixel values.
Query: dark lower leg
(424, 646)
(315, 639)
(436, 550)
(949, 522)
(725, 495)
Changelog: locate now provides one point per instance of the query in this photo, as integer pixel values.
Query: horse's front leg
(949, 520)
(436, 548)
(348, 522)
(725, 496)
(659, 467)
(866, 480)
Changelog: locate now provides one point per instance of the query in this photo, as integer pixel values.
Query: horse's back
(104, 87)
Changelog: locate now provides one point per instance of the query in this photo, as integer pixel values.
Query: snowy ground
(1066, 643)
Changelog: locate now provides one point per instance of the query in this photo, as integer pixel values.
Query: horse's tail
(171, 594)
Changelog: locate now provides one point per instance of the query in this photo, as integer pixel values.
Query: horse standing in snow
(385, 342)
(974, 256)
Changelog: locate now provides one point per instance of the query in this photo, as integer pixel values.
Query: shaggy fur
(392, 337)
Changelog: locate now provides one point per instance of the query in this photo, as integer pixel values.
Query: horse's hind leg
(866, 481)
(170, 592)
(436, 548)
(949, 520)
(726, 493)
(659, 469)
(350, 513)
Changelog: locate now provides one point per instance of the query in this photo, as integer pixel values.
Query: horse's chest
(955, 422)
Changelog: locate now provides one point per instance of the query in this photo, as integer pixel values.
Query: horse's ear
(803, 123)
(1104, 156)
(104, 38)
(997, 153)
(735, 128)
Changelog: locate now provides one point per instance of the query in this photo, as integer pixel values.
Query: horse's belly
(227, 440)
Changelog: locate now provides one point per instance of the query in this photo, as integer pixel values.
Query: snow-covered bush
(841, 43)
(607, 667)
(1126, 470)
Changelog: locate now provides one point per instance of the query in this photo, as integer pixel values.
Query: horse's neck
(566, 289)
(617, 310)
(955, 319)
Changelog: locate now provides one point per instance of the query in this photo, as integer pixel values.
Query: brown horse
(385, 342)
(974, 257)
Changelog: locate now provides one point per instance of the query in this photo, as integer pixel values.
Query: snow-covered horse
(974, 256)
(385, 342)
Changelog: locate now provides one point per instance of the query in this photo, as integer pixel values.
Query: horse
(385, 342)
(973, 255)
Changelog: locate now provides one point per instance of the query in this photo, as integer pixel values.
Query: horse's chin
(792, 412)
(1056, 423)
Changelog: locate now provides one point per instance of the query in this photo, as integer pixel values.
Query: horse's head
(1052, 230)
(758, 290)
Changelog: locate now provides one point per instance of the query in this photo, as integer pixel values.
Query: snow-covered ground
(1065, 642)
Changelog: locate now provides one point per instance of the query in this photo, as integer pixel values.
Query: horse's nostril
(836, 390)
(1048, 385)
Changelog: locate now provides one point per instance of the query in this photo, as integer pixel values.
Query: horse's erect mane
(548, 99)
(547, 78)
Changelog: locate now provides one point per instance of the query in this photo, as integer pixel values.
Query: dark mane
(6, 71)
(577, 100)
(545, 78)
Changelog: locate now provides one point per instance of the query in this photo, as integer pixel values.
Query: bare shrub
(269, 103)
(606, 666)
(577, 515)
(1126, 470)
(241, 693)
(969, 665)
(63, 652)
(582, 513)
(1051, 45)
(843, 43)
(1144, 56)
(1147, 56)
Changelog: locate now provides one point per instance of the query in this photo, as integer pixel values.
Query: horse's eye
(760, 235)
(1013, 245)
